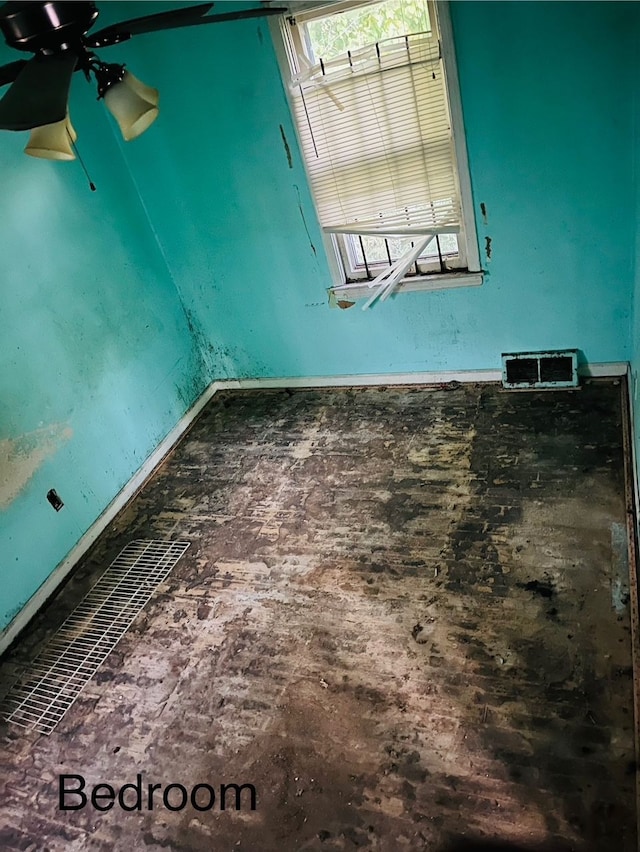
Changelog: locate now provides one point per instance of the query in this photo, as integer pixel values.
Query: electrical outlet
(55, 501)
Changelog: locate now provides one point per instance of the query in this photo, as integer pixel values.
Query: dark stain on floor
(395, 619)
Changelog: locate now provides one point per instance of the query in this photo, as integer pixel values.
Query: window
(374, 96)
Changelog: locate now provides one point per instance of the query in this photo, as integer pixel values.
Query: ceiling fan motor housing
(46, 27)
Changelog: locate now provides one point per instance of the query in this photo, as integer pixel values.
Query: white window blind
(376, 136)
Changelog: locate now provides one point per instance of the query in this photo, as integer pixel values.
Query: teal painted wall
(546, 96)
(200, 256)
(97, 361)
(635, 182)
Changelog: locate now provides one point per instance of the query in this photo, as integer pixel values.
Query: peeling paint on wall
(21, 457)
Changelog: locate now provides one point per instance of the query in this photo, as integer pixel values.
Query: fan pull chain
(92, 185)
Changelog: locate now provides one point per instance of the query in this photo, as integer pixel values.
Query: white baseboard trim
(606, 369)
(47, 589)
(609, 369)
(367, 379)
(632, 442)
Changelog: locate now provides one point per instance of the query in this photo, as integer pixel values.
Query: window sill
(360, 290)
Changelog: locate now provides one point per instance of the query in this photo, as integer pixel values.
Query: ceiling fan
(60, 36)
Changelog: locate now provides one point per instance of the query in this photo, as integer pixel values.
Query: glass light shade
(52, 141)
(133, 105)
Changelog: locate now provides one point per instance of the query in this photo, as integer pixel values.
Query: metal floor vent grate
(54, 679)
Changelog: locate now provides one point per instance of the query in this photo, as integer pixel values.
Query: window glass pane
(376, 251)
(334, 35)
(448, 245)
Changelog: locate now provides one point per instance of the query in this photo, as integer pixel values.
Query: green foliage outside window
(336, 34)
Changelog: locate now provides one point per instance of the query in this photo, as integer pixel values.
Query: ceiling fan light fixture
(52, 141)
(59, 34)
(133, 104)
(148, 93)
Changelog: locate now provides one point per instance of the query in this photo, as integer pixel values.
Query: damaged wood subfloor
(403, 617)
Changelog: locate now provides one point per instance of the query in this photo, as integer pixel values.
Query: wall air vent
(522, 370)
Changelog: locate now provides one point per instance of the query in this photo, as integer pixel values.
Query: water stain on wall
(21, 457)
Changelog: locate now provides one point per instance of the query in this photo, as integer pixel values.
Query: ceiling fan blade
(121, 32)
(237, 16)
(39, 94)
(147, 24)
(8, 73)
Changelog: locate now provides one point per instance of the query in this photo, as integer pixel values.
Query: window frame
(348, 286)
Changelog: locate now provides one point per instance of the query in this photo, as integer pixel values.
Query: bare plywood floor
(403, 616)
